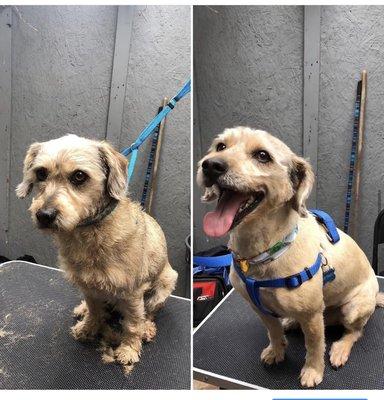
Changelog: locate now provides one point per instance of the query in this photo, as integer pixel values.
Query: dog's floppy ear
(302, 178)
(25, 187)
(115, 166)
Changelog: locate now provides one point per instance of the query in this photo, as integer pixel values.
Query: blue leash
(147, 131)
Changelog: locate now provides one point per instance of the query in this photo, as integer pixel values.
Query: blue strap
(216, 261)
(147, 131)
(222, 270)
(132, 162)
(213, 265)
(329, 224)
(290, 282)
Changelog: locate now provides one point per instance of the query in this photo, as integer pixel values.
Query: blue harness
(291, 282)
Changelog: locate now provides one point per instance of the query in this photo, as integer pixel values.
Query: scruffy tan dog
(108, 247)
(262, 187)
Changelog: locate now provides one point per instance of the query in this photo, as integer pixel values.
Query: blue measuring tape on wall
(150, 128)
(353, 159)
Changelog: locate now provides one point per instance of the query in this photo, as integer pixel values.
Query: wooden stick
(156, 163)
(356, 192)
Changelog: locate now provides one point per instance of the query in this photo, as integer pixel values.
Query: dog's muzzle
(46, 217)
(213, 168)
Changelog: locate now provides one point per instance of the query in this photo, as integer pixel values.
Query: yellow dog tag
(244, 265)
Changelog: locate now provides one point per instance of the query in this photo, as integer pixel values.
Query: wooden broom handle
(157, 159)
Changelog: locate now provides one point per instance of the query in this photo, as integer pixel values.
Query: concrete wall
(62, 61)
(249, 70)
(60, 83)
(351, 40)
(160, 60)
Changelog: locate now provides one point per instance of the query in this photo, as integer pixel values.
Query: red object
(208, 288)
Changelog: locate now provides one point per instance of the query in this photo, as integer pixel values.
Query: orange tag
(244, 265)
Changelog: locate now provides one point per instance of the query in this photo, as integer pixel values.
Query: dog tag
(244, 265)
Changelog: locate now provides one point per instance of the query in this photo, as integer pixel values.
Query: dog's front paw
(310, 377)
(149, 331)
(84, 331)
(127, 356)
(339, 354)
(107, 355)
(272, 355)
(80, 310)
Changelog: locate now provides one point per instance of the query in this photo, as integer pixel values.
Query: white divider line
(209, 315)
(217, 379)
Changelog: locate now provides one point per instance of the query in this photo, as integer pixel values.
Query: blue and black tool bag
(210, 280)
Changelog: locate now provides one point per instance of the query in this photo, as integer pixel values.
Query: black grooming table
(37, 351)
(228, 344)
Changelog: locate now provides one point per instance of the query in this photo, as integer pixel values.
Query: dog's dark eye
(221, 147)
(262, 156)
(78, 177)
(41, 174)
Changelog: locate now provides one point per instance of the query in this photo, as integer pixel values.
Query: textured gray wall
(248, 63)
(60, 83)
(61, 77)
(159, 65)
(248, 71)
(351, 40)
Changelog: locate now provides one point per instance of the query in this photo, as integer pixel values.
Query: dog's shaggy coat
(250, 161)
(120, 261)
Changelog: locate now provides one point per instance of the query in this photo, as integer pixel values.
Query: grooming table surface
(37, 351)
(228, 344)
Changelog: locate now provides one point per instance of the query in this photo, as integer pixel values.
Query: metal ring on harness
(324, 259)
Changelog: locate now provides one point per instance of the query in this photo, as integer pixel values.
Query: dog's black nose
(214, 167)
(46, 216)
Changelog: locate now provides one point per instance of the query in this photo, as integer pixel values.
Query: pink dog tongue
(217, 223)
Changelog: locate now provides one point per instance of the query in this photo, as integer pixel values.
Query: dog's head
(250, 172)
(74, 178)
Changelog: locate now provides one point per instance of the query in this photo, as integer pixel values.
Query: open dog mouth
(232, 207)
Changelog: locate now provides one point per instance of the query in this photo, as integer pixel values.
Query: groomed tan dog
(108, 247)
(262, 187)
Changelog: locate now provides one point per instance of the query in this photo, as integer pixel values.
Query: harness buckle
(172, 103)
(329, 275)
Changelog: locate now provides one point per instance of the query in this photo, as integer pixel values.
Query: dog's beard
(231, 208)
